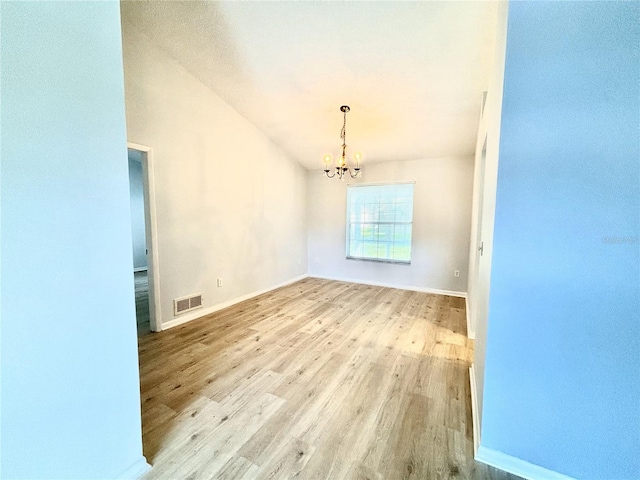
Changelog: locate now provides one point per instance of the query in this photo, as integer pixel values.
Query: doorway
(143, 241)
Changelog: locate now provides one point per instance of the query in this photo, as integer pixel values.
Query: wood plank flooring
(316, 380)
(141, 281)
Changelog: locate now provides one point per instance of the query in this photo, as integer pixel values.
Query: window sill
(380, 260)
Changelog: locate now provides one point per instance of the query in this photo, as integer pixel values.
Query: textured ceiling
(412, 73)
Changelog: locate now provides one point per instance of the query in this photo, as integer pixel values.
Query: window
(379, 221)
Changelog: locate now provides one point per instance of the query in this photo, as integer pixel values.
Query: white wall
(479, 281)
(441, 222)
(230, 204)
(69, 359)
(136, 191)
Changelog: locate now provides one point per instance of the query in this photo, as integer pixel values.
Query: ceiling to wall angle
(413, 73)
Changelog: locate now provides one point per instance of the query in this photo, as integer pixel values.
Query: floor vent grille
(186, 304)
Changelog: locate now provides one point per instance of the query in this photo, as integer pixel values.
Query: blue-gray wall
(136, 191)
(562, 387)
(70, 388)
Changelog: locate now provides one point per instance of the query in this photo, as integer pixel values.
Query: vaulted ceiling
(413, 73)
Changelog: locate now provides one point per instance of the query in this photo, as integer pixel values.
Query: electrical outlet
(456, 273)
(219, 282)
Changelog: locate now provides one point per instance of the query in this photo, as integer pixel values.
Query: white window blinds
(379, 222)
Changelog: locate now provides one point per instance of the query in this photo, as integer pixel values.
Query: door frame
(477, 243)
(151, 234)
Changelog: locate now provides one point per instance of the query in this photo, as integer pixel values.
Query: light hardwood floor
(316, 380)
(141, 282)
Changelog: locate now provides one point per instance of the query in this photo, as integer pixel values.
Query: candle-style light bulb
(327, 160)
(358, 157)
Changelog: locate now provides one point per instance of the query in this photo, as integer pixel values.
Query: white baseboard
(140, 269)
(517, 466)
(135, 471)
(209, 310)
(471, 333)
(475, 414)
(412, 288)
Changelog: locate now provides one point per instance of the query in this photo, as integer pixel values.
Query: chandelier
(342, 167)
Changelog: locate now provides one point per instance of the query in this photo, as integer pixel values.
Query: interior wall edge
(135, 471)
(471, 333)
(517, 466)
(475, 417)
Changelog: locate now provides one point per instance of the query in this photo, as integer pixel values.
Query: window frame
(377, 223)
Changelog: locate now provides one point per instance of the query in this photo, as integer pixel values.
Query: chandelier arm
(357, 170)
(326, 173)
